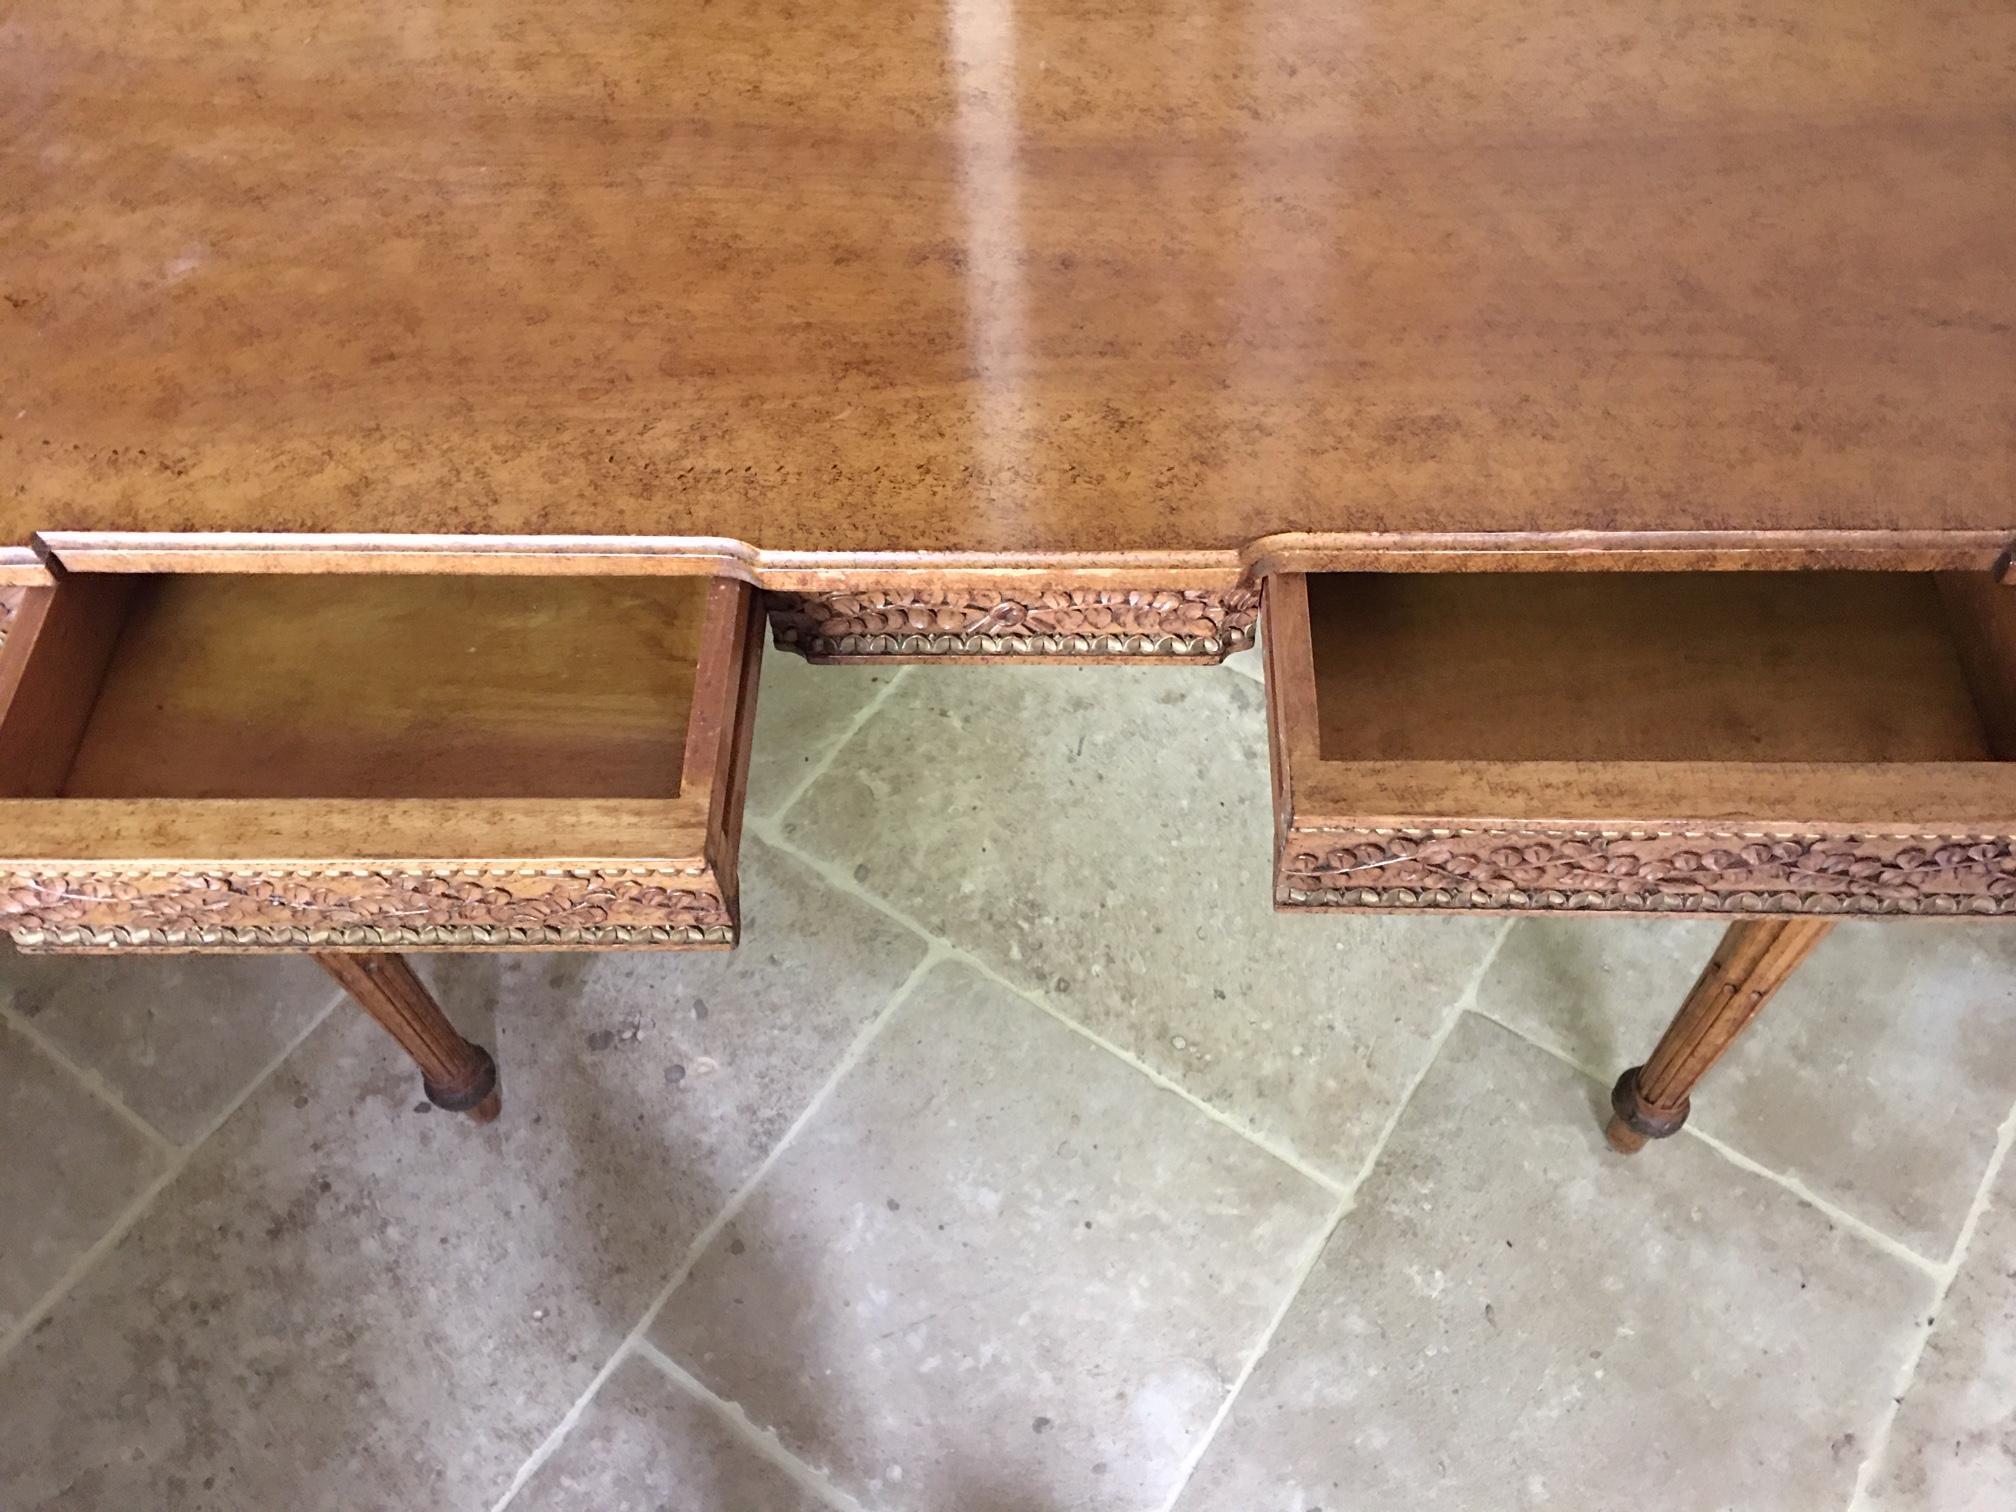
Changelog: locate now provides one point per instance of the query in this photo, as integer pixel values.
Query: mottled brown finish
(457, 1075)
(1735, 743)
(1752, 962)
(985, 624)
(787, 286)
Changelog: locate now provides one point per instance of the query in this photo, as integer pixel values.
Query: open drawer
(1737, 742)
(199, 762)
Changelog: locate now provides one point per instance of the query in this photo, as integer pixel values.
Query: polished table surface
(1203, 284)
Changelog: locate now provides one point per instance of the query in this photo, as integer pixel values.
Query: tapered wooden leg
(1752, 962)
(457, 1075)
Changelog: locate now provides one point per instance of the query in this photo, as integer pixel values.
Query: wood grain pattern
(801, 286)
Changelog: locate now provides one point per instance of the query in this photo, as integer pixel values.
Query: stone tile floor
(1020, 1161)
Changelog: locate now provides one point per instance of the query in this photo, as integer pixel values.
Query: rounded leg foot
(477, 1095)
(1633, 1121)
(1624, 1139)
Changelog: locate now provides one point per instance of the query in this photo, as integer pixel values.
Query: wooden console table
(408, 418)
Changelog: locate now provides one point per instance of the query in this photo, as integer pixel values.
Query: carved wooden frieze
(1648, 872)
(905, 624)
(330, 907)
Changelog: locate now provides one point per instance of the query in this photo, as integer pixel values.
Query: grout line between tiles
(841, 882)
(861, 717)
(1345, 1203)
(179, 1156)
(934, 954)
(760, 1441)
(1042, 1004)
(1840, 1217)
(1907, 1370)
(91, 1081)
(1862, 1228)
(2005, 1137)
(1304, 1268)
(245, 1092)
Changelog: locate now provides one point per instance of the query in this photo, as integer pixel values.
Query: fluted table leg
(1752, 962)
(457, 1075)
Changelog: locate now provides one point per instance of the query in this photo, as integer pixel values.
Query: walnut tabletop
(1211, 288)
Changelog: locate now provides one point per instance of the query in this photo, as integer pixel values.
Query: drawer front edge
(445, 906)
(1639, 871)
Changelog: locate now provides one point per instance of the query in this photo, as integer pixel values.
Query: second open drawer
(1737, 742)
(219, 762)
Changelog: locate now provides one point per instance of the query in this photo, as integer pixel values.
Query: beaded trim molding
(920, 624)
(1649, 872)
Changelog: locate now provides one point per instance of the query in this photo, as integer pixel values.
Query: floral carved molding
(336, 908)
(919, 623)
(1648, 872)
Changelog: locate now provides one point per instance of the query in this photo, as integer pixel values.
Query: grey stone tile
(646, 1445)
(1511, 1317)
(1104, 835)
(1953, 1445)
(177, 1038)
(69, 1166)
(998, 1270)
(348, 1300)
(1878, 1076)
(801, 711)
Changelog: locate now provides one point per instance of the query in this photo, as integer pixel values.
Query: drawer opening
(1766, 667)
(195, 686)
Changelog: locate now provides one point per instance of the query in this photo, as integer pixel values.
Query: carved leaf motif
(1056, 621)
(1879, 874)
(387, 904)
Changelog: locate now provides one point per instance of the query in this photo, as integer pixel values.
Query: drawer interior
(296, 718)
(356, 762)
(333, 687)
(1736, 742)
(1753, 667)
